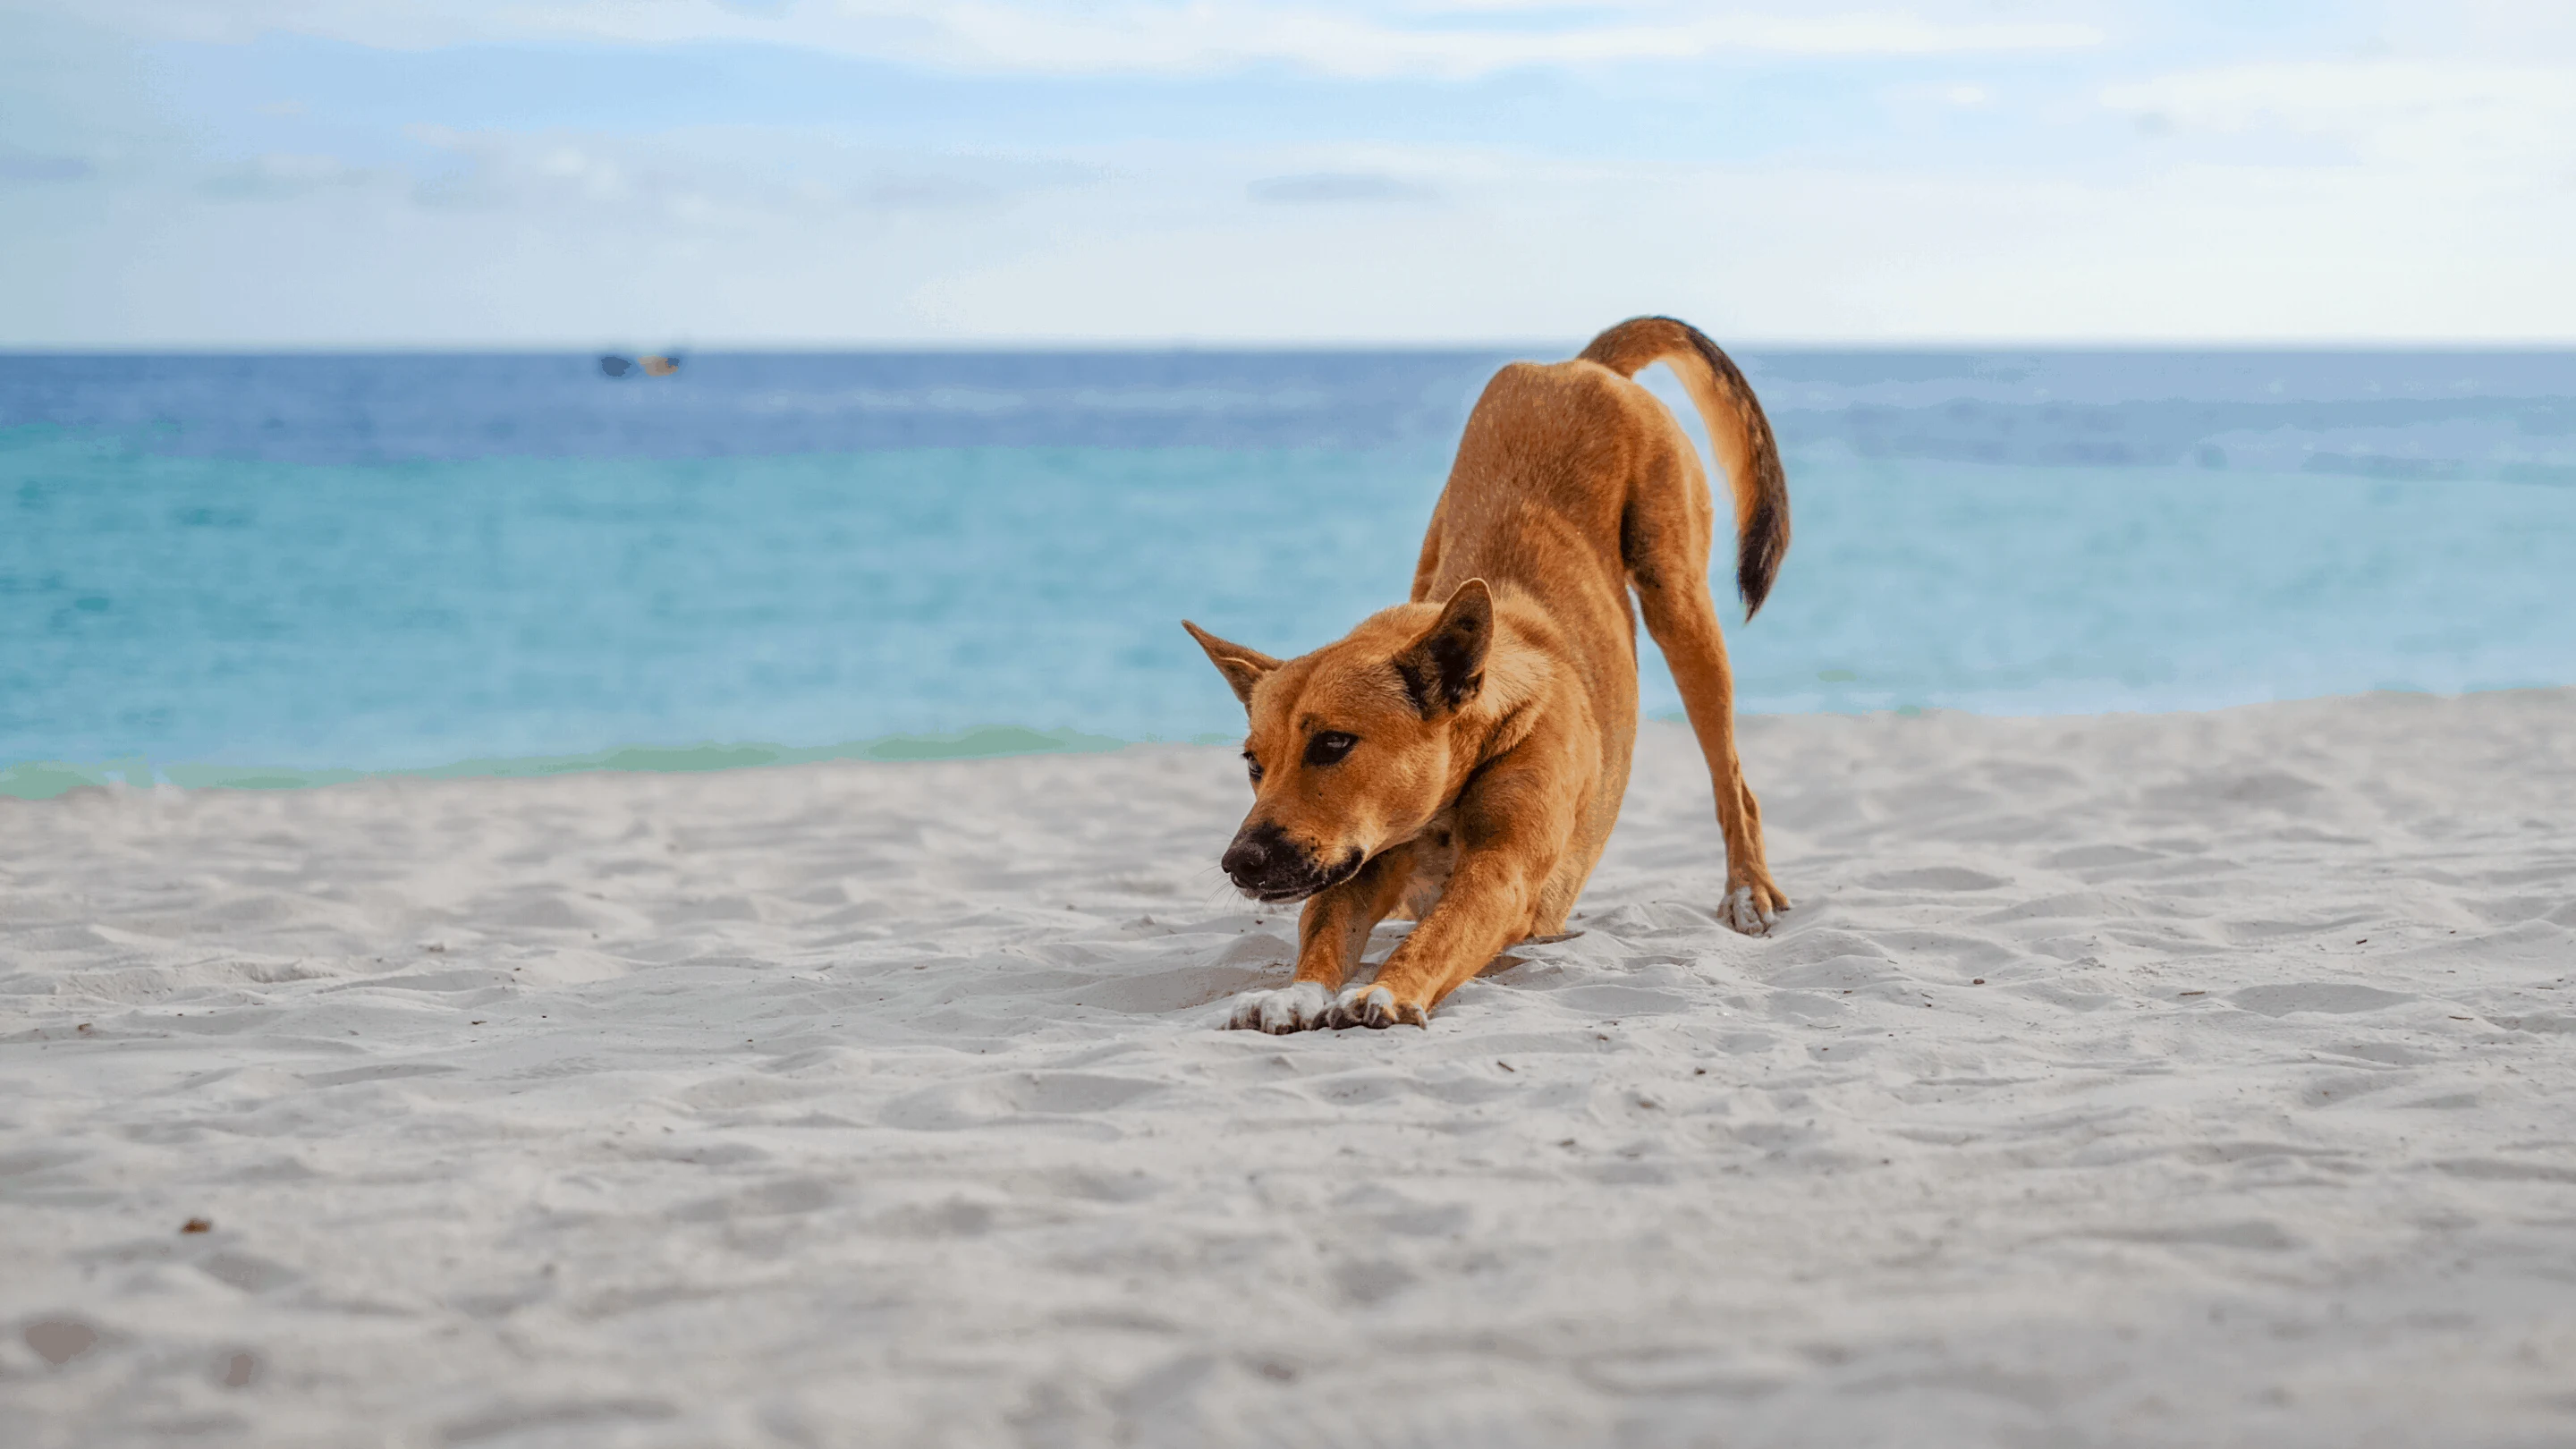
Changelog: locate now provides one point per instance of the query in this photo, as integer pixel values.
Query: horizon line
(254, 347)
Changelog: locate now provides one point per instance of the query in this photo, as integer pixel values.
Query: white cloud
(22, 166)
(1341, 188)
(2419, 191)
(585, 240)
(281, 174)
(1192, 37)
(1523, 249)
(2522, 31)
(728, 177)
(2413, 113)
(1217, 37)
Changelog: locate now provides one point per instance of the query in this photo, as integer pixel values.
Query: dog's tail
(1736, 429)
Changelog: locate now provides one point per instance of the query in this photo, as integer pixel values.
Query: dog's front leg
(1486, 908)
(1511, 826)
(1332, 934)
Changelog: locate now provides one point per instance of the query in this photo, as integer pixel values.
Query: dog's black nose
(1248, 860)
(1264, 860)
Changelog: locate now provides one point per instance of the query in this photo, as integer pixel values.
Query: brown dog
(1460, 759)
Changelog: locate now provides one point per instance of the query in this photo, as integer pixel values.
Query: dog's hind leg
(1667, 546)
(1683, 620)
(1664, 540)
(1332, 934)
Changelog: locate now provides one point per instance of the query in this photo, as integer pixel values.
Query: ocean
(276, 570)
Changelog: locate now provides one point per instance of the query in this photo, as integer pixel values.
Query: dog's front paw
(1298, 1006)
(1753, 909)
(1374, 1007)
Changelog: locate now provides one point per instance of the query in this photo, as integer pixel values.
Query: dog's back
(1576, 453)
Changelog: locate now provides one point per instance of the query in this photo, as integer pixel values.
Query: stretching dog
(1459, 760)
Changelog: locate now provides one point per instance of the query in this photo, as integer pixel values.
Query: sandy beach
(2174, 1080)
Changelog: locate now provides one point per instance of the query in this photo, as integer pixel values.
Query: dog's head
(1351, 747)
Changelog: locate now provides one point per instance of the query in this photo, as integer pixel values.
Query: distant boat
(651, 364)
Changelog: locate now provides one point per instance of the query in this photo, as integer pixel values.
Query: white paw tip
(1369, 1006)
(1294, 1007)
(1740, 913)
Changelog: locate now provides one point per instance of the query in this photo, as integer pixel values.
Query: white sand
(875, 1105)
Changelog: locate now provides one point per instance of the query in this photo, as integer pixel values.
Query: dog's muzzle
(1266, 865)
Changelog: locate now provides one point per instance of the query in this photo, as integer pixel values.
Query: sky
(712, 173)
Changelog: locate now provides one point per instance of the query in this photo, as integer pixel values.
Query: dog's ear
(1444, 668)
(1242, 668)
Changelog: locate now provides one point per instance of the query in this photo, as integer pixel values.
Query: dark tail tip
(1765, 540)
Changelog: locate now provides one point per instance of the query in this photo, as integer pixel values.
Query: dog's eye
(1252, 767)
(1329, 747)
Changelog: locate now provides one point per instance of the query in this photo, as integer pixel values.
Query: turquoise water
(278, 570)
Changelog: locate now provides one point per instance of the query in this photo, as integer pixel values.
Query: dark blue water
(334, 562)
